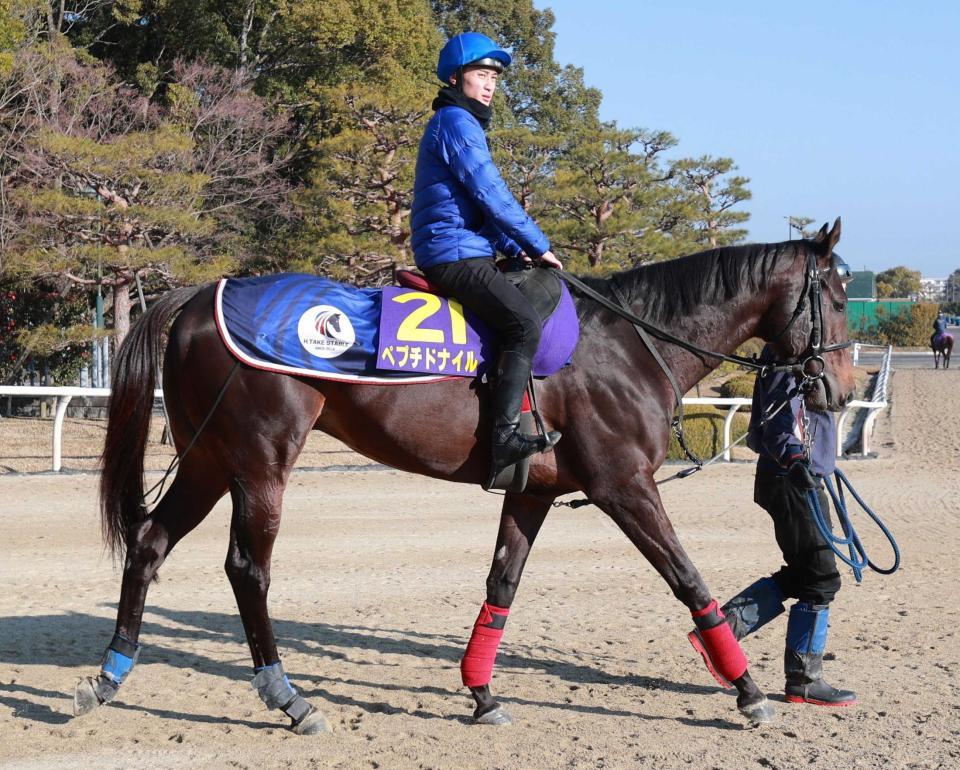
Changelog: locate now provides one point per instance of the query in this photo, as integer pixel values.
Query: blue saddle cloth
(310, 326)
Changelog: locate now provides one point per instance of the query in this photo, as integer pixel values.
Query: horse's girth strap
(722, 646)
(476, 667)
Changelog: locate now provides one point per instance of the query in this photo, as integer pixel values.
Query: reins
(856, 557)
(811, 290)
(623, 311)
(646, 330)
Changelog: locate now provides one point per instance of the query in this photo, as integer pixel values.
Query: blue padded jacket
(462, 208)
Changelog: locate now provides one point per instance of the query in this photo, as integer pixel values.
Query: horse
(244, 428)
(942, 345)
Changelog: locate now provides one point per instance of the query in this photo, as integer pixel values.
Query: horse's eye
(839, 306)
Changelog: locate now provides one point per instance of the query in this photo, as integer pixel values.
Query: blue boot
(803, 658)
(754, 607)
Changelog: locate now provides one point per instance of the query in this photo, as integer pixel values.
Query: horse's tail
(134, 378)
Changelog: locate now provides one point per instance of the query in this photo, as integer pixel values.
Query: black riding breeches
(810, 574)
(480, 287)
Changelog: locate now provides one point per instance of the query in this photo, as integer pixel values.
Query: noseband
(811, 360)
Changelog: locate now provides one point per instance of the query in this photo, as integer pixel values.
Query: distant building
(933, 289)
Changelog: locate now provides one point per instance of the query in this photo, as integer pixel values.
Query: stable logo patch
(325, 331)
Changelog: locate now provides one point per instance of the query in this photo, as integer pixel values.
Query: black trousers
(480, 287)
(810, 573)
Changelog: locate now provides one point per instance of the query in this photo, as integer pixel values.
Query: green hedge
(912, 328)
(738, 387)
(703, 431)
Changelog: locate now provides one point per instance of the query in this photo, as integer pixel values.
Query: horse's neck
(722, 328)
(722, 333)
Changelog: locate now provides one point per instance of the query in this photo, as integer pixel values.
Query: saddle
(543, 290)
(540, 286)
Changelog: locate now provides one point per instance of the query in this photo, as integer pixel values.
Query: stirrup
(513, 475)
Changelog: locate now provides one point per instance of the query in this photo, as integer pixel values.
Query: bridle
(812, 364)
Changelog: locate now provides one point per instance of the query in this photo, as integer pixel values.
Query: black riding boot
(803, 659)
(509, 445)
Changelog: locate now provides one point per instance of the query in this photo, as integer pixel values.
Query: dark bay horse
(942, 345)
(614, 406)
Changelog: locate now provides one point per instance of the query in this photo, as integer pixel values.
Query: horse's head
(809, 325)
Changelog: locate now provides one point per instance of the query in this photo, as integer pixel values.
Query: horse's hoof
(312, 724)
(497, 717)
(85, 697)
(759, 713)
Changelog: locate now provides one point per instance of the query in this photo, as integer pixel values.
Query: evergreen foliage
(173, 141)
(703, 431)
(912, 328)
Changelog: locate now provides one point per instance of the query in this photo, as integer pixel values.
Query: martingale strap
(677, 421)
(476, 667)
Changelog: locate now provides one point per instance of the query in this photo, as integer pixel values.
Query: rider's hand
(800, 476)
(548, 259)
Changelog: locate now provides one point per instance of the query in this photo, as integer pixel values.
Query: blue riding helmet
(470, 48)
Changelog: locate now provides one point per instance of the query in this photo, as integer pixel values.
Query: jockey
(788, 467)
(463, 214)
(939, 324)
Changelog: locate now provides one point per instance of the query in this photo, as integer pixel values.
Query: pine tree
(711, 195)
(357, 206)
(611, 206)
(111, 189)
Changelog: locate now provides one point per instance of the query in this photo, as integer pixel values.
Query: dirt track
(377, 578)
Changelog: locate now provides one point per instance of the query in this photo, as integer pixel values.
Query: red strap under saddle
(410, 279)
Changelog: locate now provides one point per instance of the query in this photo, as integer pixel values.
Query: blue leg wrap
(119, 659)
(807, 628)
(754, 607)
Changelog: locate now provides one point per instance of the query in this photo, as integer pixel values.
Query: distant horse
(614, 405)
(942, 345)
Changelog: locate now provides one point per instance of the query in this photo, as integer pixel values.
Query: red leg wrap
(722, 647)
(477, 664)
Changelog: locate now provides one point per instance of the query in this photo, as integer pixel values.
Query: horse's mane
(664, 291)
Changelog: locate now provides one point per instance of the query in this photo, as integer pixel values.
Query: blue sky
(830, 108)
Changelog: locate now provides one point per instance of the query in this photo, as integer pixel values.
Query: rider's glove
(800, 476)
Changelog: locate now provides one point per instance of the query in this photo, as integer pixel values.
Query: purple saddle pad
(421, 332)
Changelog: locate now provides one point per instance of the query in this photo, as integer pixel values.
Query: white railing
(63, 396)
(878, 401)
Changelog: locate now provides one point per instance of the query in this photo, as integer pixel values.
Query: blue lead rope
(857, 559)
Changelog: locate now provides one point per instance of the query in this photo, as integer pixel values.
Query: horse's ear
(828, 238)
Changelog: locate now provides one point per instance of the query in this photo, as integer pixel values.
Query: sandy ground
(377, 577)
